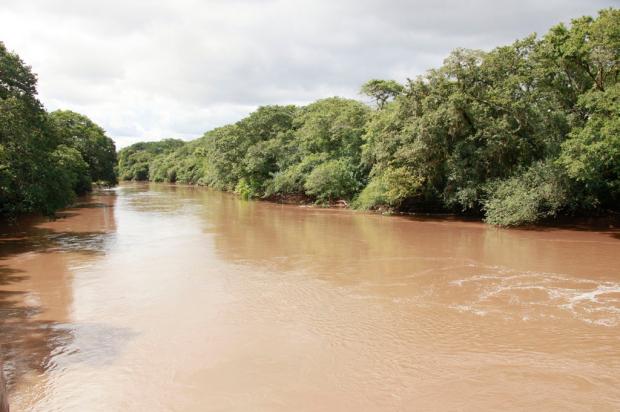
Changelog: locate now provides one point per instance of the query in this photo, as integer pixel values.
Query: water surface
(155, 297)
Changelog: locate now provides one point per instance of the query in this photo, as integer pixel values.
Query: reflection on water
(196, 300)
(36, 258)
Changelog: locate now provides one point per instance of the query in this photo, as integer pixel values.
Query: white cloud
(176, 68)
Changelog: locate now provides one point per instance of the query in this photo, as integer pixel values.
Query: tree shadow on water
(30, 344)
(26, 343)
(10, 275)
(606, 225)
(91, 205)
(42, 240)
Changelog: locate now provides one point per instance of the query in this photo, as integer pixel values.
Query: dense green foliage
(134, 161)
(45, 159)
(97, 150)
(517, 134)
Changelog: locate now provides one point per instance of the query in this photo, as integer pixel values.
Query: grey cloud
(176, 68)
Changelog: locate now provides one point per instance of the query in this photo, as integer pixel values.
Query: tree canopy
(45, 159)
(381, 91)
(97, 149)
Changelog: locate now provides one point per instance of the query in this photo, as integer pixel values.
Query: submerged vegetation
(46, 159)
(518, 134)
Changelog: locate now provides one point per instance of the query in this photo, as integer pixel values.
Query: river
(171, 298)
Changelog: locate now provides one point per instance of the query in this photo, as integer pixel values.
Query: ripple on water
(535, 295)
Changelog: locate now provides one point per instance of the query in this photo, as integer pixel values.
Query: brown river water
(171, 298)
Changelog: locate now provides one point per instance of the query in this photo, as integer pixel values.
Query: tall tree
(381, 91)
(98, 150)
(31, 179)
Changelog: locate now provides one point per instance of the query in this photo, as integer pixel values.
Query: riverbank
(609, 221)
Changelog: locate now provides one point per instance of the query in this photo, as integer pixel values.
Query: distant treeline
(46, 159)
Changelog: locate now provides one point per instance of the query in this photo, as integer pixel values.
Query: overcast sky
(145, 70)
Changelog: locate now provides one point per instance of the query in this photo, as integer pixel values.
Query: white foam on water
(531, 295)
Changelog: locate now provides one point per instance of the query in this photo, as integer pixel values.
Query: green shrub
(373, 196)
(292, 179)
(389, 189)
(332, 180)
(537, 193)
(244, 190)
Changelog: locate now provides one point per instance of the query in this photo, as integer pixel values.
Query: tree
(45, 160)
(30, 178)
(591, 154)
(98, 150)
(584, 55)
(381, 91)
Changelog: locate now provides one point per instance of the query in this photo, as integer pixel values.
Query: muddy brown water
(166, 298)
